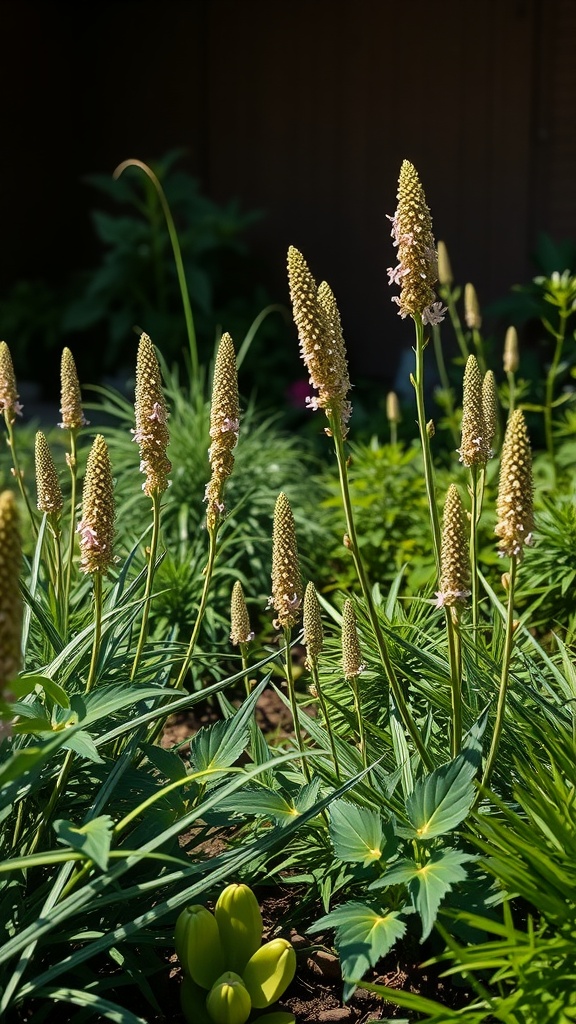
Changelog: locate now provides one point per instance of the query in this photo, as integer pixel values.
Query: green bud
(228, 1001)
(193, 1002)
(278, 1017)
(269, 972)
(198, 945)
(240, 925)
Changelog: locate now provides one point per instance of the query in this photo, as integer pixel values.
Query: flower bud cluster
(70, 397)
(224, 427)
(352, 664)
(9, 404)
(479, 415)
(515, 490)
(286, 596)
(96, 527)
(240, 632)
(454, 557)
(48, 488)
(151, 416)
(223, 954)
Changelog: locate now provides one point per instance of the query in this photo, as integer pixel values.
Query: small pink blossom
(434, 314)
(88, 538)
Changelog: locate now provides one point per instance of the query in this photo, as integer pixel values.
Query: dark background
(305, 109)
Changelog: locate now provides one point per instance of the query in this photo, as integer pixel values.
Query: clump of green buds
(227, 970)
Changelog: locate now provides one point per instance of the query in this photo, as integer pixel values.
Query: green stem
(202, 608)
(505, 675)
(549, 394)
(54, 797)
(97, 577)
(447, 295)
(194, 363)
(444, 381)
(393, 432)
(455, 662)
(58, 574)
(358, 709)
(352, 543)
(474, 517)
(18, 473)
(156, 498)
(418, 384)
(511, 392)
(478, 345)
(294, 703)
(73, 467)
(316, 681)
(244, 656)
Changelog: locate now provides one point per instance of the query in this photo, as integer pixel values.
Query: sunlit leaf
(427, 883)
(92, 839)
(358, 834)
(364, 934)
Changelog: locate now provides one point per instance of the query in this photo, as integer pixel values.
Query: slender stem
(293, 702)
(156, 498)
(58, 573)
(477, 340)
(511, 392)
(18, 473)
(444, 381)
(202, 608)
(418, 384)
(194, 364)
(549, 394)
(358, 709)
(474, 517)
(244, 656)
(393, 432)
(447, 295)
(352, 543)
(316, 681)
(54, 797)
(505, 675)
(97, 577)
(73, 467)
(455, 662)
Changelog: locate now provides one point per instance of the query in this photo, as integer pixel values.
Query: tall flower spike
(490, 410)
(445, 276)
(151, 415)
(11, 610)
(70, 397)
(322, 344)
(454, 559)
(393, 414)
(224, 426)
(313, 631)
(474, 450)
(286, 596)
(472, 313)
(417, 269)
(48, 488)
(515, 490)
(511, 359)
(9, 404)
(96, 528)
(240, 632)
(352, 665)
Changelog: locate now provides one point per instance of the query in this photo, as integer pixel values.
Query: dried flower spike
(352, 665)
(224, 426)
(70, 397)
(9, 404)
(515, 490)
(417, 270)
(474, 450)
(11, 610)
(322, 344)
(490, 410)
(240, 632)
(472, 314)
(286, 596)
(454, 559)
(151, 415)
(96, 527)
(313, 631)
(48, 488)
(511, 358)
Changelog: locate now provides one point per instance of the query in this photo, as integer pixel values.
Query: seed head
(322, 344)
(224, 426)
(445, 275)
(417, 269)
(286, 596)
(151, 415)
(71, 400)
(11, 610)
(96, 527)
(239, 620)
(490, 409)
(511, 358)
(313, 631)
(474, 449)
(515, 490)
(48, 488)
(454, 558)
(472, 308)
(9, 404)
(393, 407)
(352, 665)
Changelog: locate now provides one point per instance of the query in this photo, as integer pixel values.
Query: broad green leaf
(261, 803)
(92, 839)
(427, 883)
(166, 761)
(219, 746)
(364, 934)
(308, 795)
(441, 800)
(82, 743)
(26, 684)
(357, 833)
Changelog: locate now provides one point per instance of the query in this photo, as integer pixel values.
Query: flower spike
(224, 427)
(286, 596)
(515, 490)
(151, 415)
(96, 528)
